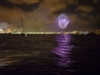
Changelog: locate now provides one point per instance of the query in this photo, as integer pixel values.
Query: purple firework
(63, 21)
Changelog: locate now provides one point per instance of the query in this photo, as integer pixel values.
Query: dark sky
(41, 15)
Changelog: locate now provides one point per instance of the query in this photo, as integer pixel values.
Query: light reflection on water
(63, 50)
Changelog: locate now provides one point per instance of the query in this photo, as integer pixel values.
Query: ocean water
(61, 54)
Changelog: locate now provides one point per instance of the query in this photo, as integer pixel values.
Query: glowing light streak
(63, 50)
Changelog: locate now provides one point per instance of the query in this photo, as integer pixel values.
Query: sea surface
(47, 54)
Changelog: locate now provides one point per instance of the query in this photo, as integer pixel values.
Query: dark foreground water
(62, 54)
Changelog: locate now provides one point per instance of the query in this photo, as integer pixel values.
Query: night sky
(41, 15)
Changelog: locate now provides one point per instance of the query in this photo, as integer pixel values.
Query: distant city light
(1, 30)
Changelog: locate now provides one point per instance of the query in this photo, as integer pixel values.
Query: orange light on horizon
(8, 31)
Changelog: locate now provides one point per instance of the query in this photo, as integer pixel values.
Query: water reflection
(63, 50)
